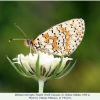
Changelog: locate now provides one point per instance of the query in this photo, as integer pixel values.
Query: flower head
(41, 66)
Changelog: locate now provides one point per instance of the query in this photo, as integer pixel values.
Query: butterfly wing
(61, 39)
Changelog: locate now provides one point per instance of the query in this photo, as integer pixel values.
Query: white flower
(41, 66)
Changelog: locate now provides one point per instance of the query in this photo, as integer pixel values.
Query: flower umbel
(42, 66)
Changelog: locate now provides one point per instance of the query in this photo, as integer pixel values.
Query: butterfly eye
(27, 43)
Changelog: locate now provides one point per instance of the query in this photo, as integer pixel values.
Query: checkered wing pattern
(61, 39)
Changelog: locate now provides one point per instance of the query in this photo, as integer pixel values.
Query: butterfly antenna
(10, 40)
(20, 29)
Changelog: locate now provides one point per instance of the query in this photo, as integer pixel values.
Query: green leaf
(67, 71)
(57, 69)
(37, 67)
(15, 67)
(20, 68)
(24, 71)
(64, 70)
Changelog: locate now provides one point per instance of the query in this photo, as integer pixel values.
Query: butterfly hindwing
(61, 39)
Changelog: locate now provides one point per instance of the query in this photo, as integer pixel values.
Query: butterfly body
(61, 39)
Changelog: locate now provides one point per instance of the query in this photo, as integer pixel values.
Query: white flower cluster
(42, 66)
(47, 63)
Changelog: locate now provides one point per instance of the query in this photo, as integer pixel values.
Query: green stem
(41, 85)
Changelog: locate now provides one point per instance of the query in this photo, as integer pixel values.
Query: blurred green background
(34, 17)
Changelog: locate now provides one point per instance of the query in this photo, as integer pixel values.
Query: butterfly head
(27, 42)
(30, 44)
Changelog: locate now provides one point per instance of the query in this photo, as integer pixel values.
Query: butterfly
(61, 39)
